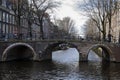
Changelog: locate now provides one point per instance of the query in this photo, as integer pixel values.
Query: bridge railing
(57, 40)
(54, 40)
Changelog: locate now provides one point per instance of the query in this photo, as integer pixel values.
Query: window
(4, 3)
(0, 26)
(7, 18)
(10, 18)
(0, 30)
(3, 28)
(7, 28)
(0, 15)
(4, 17)
(0, 2)
(10, 29)
(13, 19)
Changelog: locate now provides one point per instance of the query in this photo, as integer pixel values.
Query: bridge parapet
(44, 48)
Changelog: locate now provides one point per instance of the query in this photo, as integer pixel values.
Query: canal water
(61, 68)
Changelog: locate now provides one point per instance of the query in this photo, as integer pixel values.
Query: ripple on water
(52, 70)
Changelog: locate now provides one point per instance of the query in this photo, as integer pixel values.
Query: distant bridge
(42, 50)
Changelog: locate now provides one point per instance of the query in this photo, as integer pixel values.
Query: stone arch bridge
(42, 50)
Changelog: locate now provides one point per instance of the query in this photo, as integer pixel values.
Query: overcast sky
(69, 8)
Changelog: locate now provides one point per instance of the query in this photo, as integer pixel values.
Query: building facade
(7, 19)
(9, 28)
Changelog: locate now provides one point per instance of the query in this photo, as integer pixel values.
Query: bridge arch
(47, 53)
(106, 54)
(59, 45)
(18, 51)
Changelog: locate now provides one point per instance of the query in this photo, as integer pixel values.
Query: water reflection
(69, 55)
(105, 70)
(57, 70)
(93, 56)
(99, 54)
(11, 70)
(50, 70)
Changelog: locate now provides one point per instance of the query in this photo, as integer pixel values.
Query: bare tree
(19, 8)
(40, 8)
(91, 32)
(67, 24)
(29, 16)
(111, 9)
(101, 12)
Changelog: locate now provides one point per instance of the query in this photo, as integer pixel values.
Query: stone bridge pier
(42, 50)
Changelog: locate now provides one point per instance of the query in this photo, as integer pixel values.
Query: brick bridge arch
(47, 53)
(18, 51)
(107, 53)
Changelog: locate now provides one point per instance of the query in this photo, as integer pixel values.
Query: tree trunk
(41, 29)
(19, 23)
(104, 36)
(19, 28)
(104, 31)
(119, 37)
(109, 33)
(30, 30)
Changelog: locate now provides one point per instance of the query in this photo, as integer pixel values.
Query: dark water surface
(50, 70)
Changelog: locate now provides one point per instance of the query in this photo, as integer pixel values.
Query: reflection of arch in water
(18, 51)
(106, 53)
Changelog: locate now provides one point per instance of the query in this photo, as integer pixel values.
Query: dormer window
(0, 2)
(8, 4)
(4, 3)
